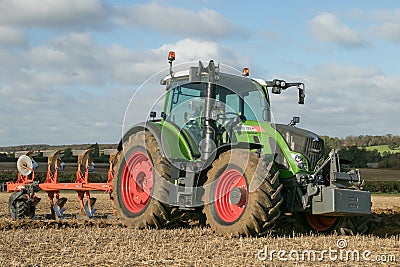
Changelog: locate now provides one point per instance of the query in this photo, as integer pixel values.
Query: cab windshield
(189, 99)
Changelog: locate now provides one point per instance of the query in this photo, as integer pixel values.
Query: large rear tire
(141, 183)
(242, 194)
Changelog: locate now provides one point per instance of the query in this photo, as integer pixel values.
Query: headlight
(300, 161)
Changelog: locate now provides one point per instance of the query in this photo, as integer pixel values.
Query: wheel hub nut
(238, 196)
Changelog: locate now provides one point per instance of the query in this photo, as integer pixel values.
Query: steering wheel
(230, 121)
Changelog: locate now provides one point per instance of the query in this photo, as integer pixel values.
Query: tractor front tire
(345, 225)
(140, 185)
(242, 194)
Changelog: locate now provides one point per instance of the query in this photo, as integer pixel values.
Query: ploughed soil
(78, 241)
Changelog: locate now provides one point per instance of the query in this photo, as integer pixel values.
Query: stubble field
(105, 242)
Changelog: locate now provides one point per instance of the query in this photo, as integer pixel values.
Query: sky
(70, 68)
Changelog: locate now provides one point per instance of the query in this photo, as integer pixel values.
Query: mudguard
(226, 147)
(173, 142)
(151, 127)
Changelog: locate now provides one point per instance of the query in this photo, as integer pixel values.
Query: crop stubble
(105, 242)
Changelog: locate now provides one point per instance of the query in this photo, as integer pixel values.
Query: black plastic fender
(144, 126)
(240, 145)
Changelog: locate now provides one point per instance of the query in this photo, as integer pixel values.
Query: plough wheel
(20, 207)
(242, 194)
(141, 184)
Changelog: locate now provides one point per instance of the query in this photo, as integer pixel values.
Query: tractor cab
(238, 101)
(212, 109)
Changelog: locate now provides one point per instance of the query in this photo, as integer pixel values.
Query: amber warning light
(171, 56)
(246, 72)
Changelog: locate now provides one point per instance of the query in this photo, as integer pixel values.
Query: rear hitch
(336, 177)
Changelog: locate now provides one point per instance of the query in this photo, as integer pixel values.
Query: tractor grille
(304, 142)
(313, 150)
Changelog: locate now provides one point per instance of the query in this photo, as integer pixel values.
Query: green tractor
(214, 151)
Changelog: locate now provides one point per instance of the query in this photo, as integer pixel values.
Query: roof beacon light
(246, 72)
(171, 56)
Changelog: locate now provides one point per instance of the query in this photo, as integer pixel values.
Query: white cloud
(10, 36)
(381, 23)
(134, 67)
(73, 90)
(343, 100)
(328, 28)
(388, 31)
(203, 24)
(389, 15)
(52, 13)
(77, 15)
(194, 50)
(64, 118)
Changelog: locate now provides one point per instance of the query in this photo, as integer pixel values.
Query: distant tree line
(352, 148)
(67, 156)
(393, 141)
(42, 147)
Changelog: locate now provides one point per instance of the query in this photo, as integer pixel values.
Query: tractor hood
(286, 129)
(305, 142)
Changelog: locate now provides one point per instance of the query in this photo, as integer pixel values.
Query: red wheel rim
(321, 223)
(137, 182)
(229, 180)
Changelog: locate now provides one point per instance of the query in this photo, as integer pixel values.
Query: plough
(23, 201)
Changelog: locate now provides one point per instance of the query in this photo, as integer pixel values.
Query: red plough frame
(82, 185)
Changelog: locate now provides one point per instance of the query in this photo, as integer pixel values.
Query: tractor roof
(234, 82)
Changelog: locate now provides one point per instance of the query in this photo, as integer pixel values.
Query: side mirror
(302, 95)
(294, 121)
(153, 115)
(279, 85)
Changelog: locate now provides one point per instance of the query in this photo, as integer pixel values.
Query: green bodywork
(184, 149)
(172, 136)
